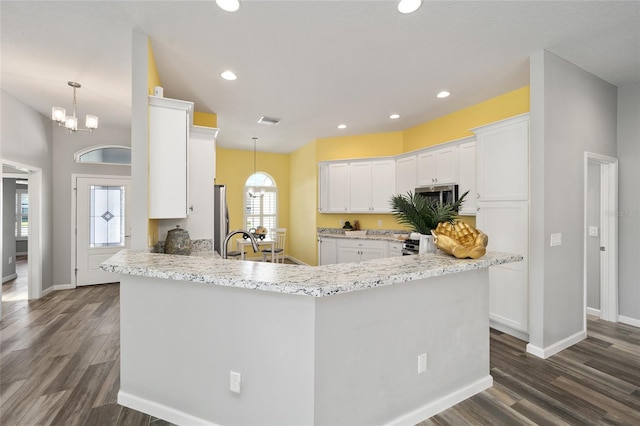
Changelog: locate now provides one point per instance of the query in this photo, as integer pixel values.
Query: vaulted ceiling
(312, 64)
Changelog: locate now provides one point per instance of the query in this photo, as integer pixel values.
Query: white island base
(347, 359)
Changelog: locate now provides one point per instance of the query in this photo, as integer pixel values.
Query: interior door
(102, 226)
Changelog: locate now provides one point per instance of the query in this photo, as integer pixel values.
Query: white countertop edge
(316, 281)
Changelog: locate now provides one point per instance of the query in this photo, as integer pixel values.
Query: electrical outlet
(10, 260)
(380, 222)
(556, 239)
(422, 363)
(235, 381)
(341, 222)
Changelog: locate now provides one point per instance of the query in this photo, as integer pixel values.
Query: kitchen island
(328, 345)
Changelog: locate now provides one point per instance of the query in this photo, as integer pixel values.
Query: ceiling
(312, 64)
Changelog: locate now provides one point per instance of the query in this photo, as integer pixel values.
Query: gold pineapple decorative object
(460, 240)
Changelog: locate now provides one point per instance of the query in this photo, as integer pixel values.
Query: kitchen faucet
(245, 234)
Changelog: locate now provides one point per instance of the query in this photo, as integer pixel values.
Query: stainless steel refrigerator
(220, 217)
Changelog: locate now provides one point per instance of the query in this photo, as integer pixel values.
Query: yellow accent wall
(153, 79)
(205, 119)
(233, 168)
(371, 145)
(458, 124)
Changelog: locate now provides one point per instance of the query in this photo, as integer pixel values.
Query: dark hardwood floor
(59, 365)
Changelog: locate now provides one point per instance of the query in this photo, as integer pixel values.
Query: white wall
(8, 223)
(629, 201)
(139, 140)
(27, 139)
(593, 243)
(572, 111)
(64, 146)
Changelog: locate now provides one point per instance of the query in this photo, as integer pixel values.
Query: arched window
(260, 202)
(105, 154)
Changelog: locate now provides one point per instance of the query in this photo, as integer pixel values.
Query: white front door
(102, 226)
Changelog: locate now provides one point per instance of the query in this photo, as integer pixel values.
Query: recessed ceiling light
(394, 116)
(408, 6)
(229, 75)
(342, 126)
(228, 5)
(443, 94)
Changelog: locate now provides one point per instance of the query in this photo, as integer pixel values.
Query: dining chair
(279, 237)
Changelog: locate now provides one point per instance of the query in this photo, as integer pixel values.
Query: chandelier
(255, 191)
(70, 122)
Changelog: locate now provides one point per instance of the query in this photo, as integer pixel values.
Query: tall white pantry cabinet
(502, 158)
(169, 122)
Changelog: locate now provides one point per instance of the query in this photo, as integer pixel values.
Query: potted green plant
(422, 215)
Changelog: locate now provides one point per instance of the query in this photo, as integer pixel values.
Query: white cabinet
(169, 122)
(327, 251)
(352, 250)
(502, 151)
(438, 166)
(358, 186)
(406, 174)
(467, 177)
(202, 163)
(502, 161)
(337, 187)
(371, 184)
(506, 224)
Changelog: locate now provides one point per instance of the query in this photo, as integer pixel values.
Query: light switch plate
(593, 231)
(556, 239)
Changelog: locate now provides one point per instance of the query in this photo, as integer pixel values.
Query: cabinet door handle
(478, 196)
(478, 208)
(191, 208)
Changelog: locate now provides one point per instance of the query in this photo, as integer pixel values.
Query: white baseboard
(508, 330)
(447, 401)
(545, 353)
(593, 311)
(9, 278)
(160, 411)
(64, 287)
(297, 261)
(629, 321)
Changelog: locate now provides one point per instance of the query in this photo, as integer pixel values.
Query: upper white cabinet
(359, 187)
(502, 151)
(438, 166)
(406, 174)
(371, 184)
(467, 176)
(169, 122)
(337, 194)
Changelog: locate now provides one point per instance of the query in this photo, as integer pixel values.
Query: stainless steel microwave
(441, 193)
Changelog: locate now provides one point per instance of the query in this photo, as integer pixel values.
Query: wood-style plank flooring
(59, 365)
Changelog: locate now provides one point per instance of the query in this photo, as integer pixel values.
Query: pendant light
(58, 115)
(253, 190)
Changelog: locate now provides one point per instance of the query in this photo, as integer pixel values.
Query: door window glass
(106, 221)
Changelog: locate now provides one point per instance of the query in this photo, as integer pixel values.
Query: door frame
(35, 247)
(608, 235)
(74, 217)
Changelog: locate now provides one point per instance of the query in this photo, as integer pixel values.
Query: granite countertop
(316, 281)
(378, 237)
